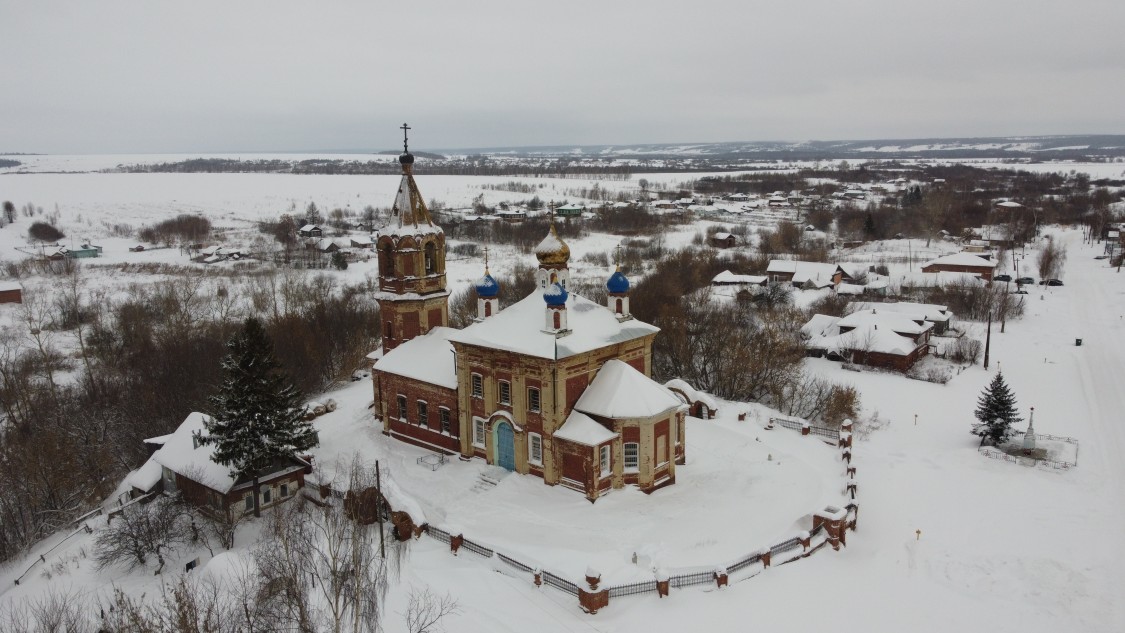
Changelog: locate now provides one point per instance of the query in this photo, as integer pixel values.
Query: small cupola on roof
(555, 296)
(553, 255)
(617, 296)
(488, 302)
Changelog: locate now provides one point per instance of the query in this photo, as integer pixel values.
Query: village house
(962, 263)
(868, 337)
(183, 463)
(805, 274)
(724, 240)
(554, 386)
(310, 230)
(920, 313)
(727, 278)
(11, 292)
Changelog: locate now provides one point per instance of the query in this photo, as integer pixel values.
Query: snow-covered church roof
(428, 358)
(519, 328)
(620, 391)
(581, 429)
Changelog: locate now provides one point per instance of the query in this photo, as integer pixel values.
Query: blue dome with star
(617, 283)
(487, 287)
(555, 295)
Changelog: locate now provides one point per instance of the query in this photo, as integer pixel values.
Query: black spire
(406, 158)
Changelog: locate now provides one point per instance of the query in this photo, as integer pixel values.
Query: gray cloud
(113, 76)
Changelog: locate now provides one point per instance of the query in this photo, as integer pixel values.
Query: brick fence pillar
(538, 578)
(661, 583)
(765, 558)
(720, 577)
(591, 602)
(806, 542)
(455, 543)
(593, 577)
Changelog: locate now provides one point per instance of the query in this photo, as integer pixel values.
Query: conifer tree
(996, 413)
(257, 416)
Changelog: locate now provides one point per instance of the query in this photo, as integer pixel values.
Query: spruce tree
(257, 417)
(996, 413)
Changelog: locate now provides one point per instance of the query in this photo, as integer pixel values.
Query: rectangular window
(505, 392)
(478, 432)
(284, 490)
(402, 408)
(605, 460)
(661, 450)
(444, 414)
(422, 418)
(478, 386)
(533, 399)
(534, 448)
(266, 495)
(248, 502)
(632, 452)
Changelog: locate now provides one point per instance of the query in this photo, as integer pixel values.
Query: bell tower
(412, 294)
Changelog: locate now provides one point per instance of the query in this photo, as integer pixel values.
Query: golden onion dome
(552, 252)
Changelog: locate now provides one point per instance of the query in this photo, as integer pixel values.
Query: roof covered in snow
(692, 393)
(821, 325)
(428, 358)
(803, 271)
(962, 259)
(868, 337)
(581, 429)
(889, 320)
(934, 280)
(411, 217)
(915, 311)
(181, 455)
(620, 391)
(519, 328)
(146, 477)
(728, 278)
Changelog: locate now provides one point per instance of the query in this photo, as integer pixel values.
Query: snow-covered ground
(1002, 547)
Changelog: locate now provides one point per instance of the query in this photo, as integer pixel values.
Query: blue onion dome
(618, 283)
(555, 295)
(487, 287)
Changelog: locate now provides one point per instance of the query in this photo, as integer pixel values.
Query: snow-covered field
(1001, 547)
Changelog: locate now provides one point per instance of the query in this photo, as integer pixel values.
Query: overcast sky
(106, 76)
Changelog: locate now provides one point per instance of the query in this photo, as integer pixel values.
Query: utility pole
(988, 341)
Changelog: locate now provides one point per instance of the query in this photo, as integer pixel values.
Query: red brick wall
(392, 385)
(11, 296)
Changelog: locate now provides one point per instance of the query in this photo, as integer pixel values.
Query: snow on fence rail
(689, 580)
(797, 424)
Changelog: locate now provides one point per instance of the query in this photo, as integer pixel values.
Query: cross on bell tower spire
(405, 128)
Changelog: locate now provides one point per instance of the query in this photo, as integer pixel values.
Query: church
(554, 386)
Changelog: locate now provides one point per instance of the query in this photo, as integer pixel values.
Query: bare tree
(426, 610)
(141, 532)
(1052, 257)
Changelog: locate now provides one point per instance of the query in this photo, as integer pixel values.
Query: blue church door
(505, 446)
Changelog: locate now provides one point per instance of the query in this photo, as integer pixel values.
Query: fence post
(455, 543)
(805, 428)
(851, 488)
(538, 577)
(661, 583)
(592, 600)
(765, 559)
(806, 542)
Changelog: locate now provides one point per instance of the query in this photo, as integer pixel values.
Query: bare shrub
(964, 350)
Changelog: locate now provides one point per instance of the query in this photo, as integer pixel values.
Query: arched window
(619, 306)
(388, 330)
(431, 258)
(388, 261)
(558, 320)
(487, 309)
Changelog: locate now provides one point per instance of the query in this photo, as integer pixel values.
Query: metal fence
(477, 548)
(552, 580)
(824, 431)
(511, 562)
(744, 563)
(1025, 461)
(688, 580)
(786, 546)
(632, 589)
(440, 535)
(789, 423)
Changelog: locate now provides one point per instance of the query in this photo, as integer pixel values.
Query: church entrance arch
(505, 445)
